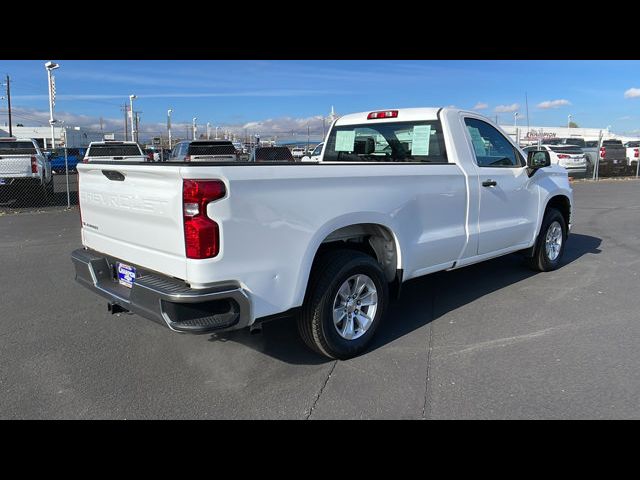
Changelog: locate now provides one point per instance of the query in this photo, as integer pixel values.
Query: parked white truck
(24, 167)
(397, 194)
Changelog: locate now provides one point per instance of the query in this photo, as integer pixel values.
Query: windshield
(273, 154)
(574, 141)
(211, 148)
(17, 148)
(419, 141)
(114, 151)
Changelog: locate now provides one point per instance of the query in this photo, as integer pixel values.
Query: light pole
(195, 128)
(134, 134)
(208, 130)
(169, 125)
(515, 119)
(50, 66)
(569, 117)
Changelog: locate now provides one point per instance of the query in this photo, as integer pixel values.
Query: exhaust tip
(255, 329)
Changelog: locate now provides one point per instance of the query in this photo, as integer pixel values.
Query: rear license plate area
(126, 274)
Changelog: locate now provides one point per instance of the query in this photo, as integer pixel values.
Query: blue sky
(282, 95)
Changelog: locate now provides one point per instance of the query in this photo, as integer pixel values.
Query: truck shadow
(422, 301)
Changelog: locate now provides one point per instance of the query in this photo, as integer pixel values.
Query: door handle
(489, 183)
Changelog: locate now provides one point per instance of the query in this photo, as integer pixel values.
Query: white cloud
(553, 103)
(632, 93)
(283, 127)
(514, 107)
(481, 106)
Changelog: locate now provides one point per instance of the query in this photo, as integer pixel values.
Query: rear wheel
(346, 301)
(550, 243)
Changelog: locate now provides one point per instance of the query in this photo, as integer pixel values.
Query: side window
(492, 149)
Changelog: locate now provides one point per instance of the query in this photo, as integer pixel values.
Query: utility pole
(169, 126)
(50, 67)
(137, 114)
(9, 105)
(195, 127)
(125, 108)
(134, 134)
(307, 138)
(526, 102)
(208, 130)
(101, 126)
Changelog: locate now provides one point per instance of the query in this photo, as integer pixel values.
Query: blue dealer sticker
(126, 275)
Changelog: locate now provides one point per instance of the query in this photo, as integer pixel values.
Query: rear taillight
(384, 114)
(201, 234)
(34, 165)
(636, 153)
(603, 152)
(562, 155)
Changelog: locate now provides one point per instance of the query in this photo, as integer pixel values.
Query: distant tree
(573, 125)
(19, 125)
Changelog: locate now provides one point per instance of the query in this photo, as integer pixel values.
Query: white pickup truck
(24, 167)
(396, 195)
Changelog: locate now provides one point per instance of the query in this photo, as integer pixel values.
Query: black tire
(540, 260)
(315, 322)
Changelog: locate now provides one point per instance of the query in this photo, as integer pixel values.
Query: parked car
(612, 158)
(272, 154)
(570, 157)
(114, 151)
(315, 154)
(204, 151)
(398, 194)
(633, 152)
(24, 167)
(298, 152)
(57, 159)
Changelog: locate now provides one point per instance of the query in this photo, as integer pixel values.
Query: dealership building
(64, 136)
(532, 134)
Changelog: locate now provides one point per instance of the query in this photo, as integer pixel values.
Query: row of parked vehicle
(579, 156)
(193, 151)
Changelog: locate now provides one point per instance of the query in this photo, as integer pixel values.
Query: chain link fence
(29, 182)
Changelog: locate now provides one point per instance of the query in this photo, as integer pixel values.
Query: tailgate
(134, 213)
(15, 166)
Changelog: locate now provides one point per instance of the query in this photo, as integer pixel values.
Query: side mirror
(538, 159)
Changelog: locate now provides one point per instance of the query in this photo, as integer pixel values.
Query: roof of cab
(113, 142)
(404, 114)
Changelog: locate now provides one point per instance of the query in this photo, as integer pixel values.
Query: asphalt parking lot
(494, 340)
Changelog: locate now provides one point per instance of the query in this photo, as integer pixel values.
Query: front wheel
(345, 302)
(550, 243)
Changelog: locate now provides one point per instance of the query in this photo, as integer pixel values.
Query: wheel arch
(370, 234)
(562, 203)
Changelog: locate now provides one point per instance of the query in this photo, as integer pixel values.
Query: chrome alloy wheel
(553, 241)
(354, 307)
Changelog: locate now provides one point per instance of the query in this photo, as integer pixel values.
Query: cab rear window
(114, 151)
(17, 148)
(414, 141)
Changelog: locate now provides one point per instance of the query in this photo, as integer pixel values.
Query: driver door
(508, 198)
